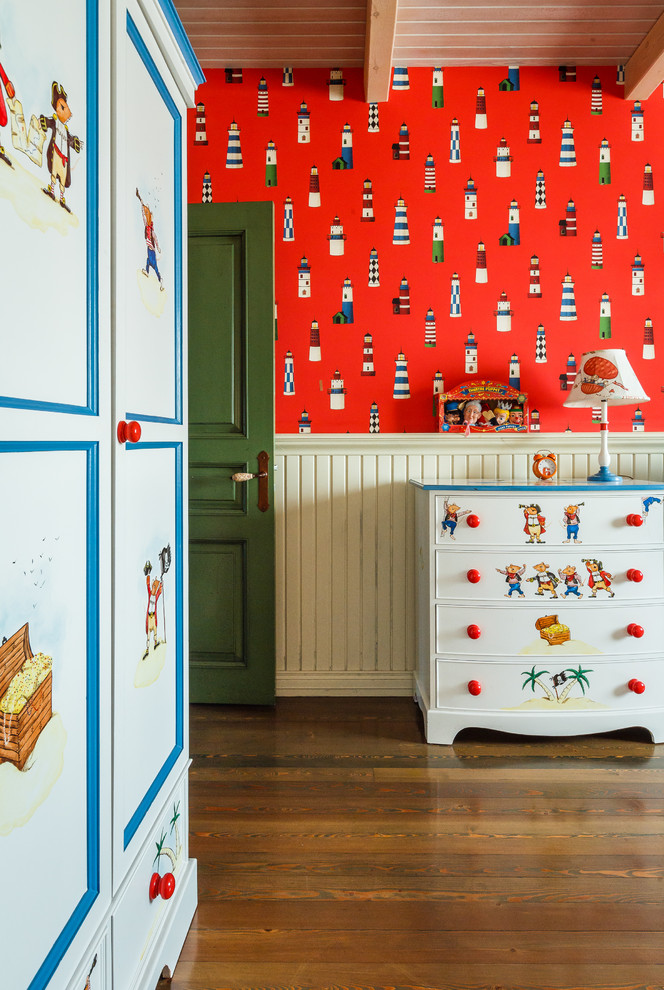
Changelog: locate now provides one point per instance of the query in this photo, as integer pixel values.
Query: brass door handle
(262, 475)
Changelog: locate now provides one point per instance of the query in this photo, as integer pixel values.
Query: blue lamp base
(605, 476)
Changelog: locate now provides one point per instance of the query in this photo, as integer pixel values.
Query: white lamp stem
(604, 457)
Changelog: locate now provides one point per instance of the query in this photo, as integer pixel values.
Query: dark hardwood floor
(336, 849)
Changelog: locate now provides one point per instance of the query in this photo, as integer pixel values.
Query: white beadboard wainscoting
(345, 522)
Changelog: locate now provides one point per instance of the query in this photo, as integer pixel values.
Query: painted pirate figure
(452, 515)
(572, 520)
(154, 591)
(9, 89)
(513, 574)
(546, 580)
(534, 522)
(571, 579)
(151, 242)
(58, 153)
(598, 578)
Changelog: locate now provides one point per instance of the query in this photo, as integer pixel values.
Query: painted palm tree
(163, 850)
(575, 677)
(533, 677)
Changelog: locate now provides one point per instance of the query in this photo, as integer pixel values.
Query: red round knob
(474, 631)
(473, 521)
(129, 432)
(634, 575)
(167, 886)
(634, 519)
(635, 630)
(638, 687)
(474, 687)
(473, 576)
(155, 880)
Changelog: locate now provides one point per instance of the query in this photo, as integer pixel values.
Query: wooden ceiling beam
(645, 69)
(378, 46)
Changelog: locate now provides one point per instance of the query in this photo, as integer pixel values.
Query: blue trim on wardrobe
(180, 35)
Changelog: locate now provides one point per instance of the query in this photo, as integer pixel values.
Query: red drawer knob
(474, 631)
(473, 576)
(474, 687)
(129, 432)
(155, 880)
(638, 687)
(634, 519)
(634, 575)
(167, 886)
(635, 630)
(473, 521)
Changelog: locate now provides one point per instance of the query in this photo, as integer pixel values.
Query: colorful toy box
(487, 407)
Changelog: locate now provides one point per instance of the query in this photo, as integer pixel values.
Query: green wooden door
(231, 420)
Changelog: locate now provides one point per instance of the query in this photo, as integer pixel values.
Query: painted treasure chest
(553, 631)
(25, 697)
(482, 407)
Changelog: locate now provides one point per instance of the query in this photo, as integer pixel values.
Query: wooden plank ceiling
(378, 34)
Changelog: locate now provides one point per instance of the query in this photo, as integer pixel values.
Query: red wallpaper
(594, 207)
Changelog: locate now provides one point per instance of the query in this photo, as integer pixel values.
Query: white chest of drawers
(539, 607)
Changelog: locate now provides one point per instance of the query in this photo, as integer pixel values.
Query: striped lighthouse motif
(206, 195)
(503, 160)
(514, 375)
(336, 84)
(637, 121)
(367, 356)
(347, 300)
(374, 271)
(429, 175)
(373, 121)
(367, 202)
(401, 149)
(336, 237)
(481, 273)
(437, 95)
(401, 384)
(480, 110)
(503, 314)
(304, 422)
(200, 136)
(470, 354)
(621, 230)
(438, 249)
(438, 387)
(540, 345)
(289, 374)
(400, 78)
(567, 150)
(514, 224)
(534, 287)
(347, 145)
(263, 109)
(534, 135)
(568, 300)
(289, 227)
(271, 164)
(604, 163)
(568, 225)
(470, 200)
(596, 96)
(233, 149)
(638, 276)
(455, 295)
(648, 195)
(401, 304)
(314, 341)
(337, 391)
(304, 279)
(314, 187)
(535, 421)
(287, 76)
(455, 141)
(374, 418)
(303, 124)
(401, 234)
(604, 317)
(430, 329)
(638, 422)
(540, 191)
(597, 251)
(567, 378)
(648, 341)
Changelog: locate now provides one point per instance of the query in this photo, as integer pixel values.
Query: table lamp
(605, 378)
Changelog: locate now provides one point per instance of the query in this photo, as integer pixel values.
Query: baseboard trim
(367, 684)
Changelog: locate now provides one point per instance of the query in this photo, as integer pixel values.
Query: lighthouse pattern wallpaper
(490, 223)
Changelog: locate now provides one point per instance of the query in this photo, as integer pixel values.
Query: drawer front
(138, 916)
(542, 517)
(548, 688)
(556, 630)
(632, 575)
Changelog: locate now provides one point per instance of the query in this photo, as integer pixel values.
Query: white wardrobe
(98, 887)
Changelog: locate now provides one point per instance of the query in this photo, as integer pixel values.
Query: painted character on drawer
(572, 521)
(453, 513)
(546, 580)
(58, 153)
(570, 577)
(647, 503)
(535, 523)
(598, 578)
(513, 574)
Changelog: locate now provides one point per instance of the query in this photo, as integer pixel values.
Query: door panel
(231, 406)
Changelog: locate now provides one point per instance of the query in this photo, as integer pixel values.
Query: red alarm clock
(544, 465)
